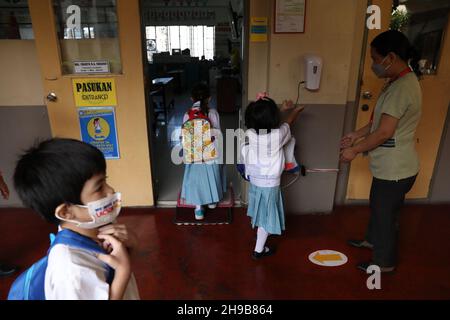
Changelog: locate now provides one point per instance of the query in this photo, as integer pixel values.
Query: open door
(434, 42)
(90, 57)
(183, 44)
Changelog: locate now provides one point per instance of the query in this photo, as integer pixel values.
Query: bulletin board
(290, 16)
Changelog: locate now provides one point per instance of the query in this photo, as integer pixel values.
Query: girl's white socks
(261, 239)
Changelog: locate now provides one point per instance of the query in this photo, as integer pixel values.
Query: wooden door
(115, 38)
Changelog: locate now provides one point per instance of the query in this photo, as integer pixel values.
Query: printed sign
(91, 66)
(98, 128)
(258, 30)
(290, 16)
(93, 92)
(328, 258)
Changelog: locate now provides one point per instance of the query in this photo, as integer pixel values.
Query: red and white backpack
(196, 138)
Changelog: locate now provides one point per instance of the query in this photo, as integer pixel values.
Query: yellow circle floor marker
(328, 258)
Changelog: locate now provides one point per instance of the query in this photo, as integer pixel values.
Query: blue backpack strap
(76, 240)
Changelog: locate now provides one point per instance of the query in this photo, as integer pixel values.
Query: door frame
(244, 96)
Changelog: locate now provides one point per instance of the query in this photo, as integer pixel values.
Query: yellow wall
(333, 30)
(20, 80)
(436, 97)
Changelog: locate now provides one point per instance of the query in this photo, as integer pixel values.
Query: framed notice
(290, 16)
(91, 67)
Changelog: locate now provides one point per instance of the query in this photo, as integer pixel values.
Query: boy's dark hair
(396, 42)
(262, 114)
(200, 92)
(54, 172)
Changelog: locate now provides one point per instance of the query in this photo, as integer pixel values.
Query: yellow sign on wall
(258, 29)
(94, 92)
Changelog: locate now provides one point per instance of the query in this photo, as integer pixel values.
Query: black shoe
(360, 244)
(6, 270)
(267, 252)
(365, 265)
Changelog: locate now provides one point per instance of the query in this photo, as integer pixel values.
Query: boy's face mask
(102, 212)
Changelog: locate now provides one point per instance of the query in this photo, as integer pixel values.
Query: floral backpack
(196, 138)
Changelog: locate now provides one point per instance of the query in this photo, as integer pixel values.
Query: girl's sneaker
(212, 205)
(199, 214)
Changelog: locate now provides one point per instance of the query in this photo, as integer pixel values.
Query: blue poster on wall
(98, 128)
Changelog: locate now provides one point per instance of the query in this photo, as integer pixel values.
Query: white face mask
(102, 212)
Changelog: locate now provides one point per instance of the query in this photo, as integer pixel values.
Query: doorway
(427, 27)
(187, 42)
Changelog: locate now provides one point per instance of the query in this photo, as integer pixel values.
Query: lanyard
(391, 81)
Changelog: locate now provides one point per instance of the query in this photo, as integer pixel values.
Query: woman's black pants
(386, 200)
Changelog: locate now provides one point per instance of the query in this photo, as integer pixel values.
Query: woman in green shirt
(389, 140)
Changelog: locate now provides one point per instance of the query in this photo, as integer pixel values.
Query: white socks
(198, 207)
(261, 239)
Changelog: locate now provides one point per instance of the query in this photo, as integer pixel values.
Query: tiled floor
(213, 262)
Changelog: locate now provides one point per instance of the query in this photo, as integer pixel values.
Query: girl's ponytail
(200, 92)
(204, 105)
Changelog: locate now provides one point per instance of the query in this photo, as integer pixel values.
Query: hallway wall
(20, 79)
(276, 66)
(23, 115)
(440, 185)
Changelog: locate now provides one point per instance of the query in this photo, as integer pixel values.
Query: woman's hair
(54, 172)
(396, 42)
(200, 92)
(262, 114)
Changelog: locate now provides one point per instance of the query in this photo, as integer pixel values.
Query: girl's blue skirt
(203, 183)
(265, 207)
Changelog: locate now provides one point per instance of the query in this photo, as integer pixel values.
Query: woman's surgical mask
(102, 212)
(379, 69)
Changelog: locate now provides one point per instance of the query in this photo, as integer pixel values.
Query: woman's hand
(348, 155)
(120, 232)
(348, 140)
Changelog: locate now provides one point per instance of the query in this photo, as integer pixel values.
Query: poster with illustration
(98, 128)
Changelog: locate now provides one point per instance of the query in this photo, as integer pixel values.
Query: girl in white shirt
(264, 161)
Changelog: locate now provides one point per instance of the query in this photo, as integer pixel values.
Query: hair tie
(261, 96)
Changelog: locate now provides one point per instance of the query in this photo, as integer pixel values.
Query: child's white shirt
(264, 157)
(77, 274)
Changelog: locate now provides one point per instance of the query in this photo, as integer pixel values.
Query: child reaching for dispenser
(265, 160)
(203, 181)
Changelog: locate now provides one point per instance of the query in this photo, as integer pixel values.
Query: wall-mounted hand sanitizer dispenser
(313, 71)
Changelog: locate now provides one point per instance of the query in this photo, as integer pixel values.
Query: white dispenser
(313, 71)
